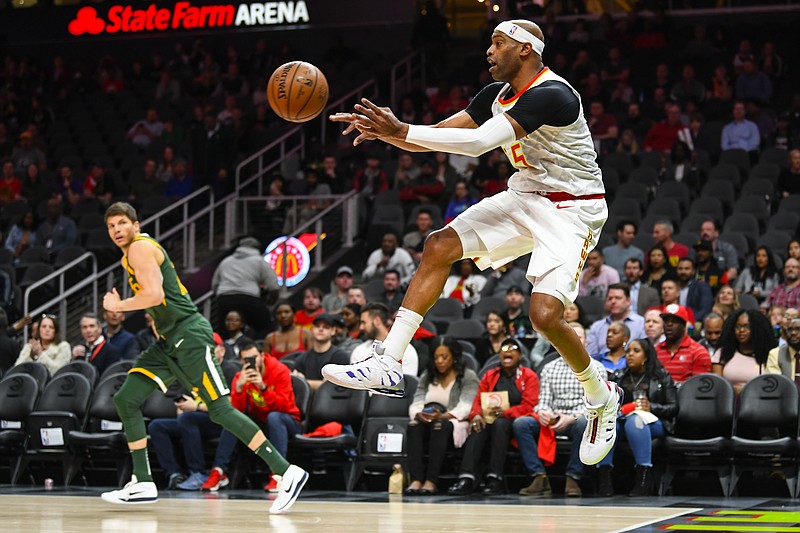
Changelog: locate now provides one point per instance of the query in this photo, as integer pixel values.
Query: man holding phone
(263, 391)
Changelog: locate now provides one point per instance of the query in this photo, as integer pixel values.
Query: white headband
(518, 33)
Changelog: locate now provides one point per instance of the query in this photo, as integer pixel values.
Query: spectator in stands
(9, 348)
(119, 337)
(663, 135)
(334, 301)
(69, 187)
(654, 325)
(374, 322)
(93, 347)
(393, 292)
(787, 294)
(371, 179)
(322, 352)
(637, 122)
(414, 241)
(99, 184)
(289, 337)
(214, 151)
(389, 257)
(707, 268)
(793, 249)
(46, 347)
(681, 355)
(740, 132)
(761, 277)
(6, 142)
(444, 172)
(789, 179)
(689, 88)
(647, 387)
(147, 185)
(784, 318)
(25, 153)
(407, 170)
(628, 143)
(515, 316)
(613, 354)
(496, 332)
(167, 89)
(682, 166)
(144, 131)
(438, 413)
(164, 170)
(424, 189)
(603, 127)
(643, 297)
(181, 184)
(724, 252)
(35, 188)
(334, 177)
(10, 184)
(351, 314)
(307, 210)
(694, 293)
(753, 84)
(783, 358)
(264, 392)
(503, 278)
(596, 277)
(616, 256)
(461, 200)
(57, 231)
(148, 335)
(237, 332)
(712, 329)
(560, 411)
(671, 294)
(618, 305)
(746, 336)
(355, 295)
(22, 234)
(245, 282)
(493, 425)
(662, 234)
(312, 306)
(465, 284)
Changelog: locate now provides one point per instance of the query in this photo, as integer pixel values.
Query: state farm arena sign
(126, 19)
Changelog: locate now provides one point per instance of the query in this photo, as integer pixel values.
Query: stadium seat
(766, 426)
(391, 216)
(774, 155)
(488, 303)
(777, 241)
(466, 329)
(766, 171)
(675, 190)
(744, 223)
(759, 187)
(686, 238)
(726, 172)
(626, 208)
(18, 396)
(37, 371)
(116, 368)
(721, 190)
(753, 205)
(665, 208)
(739, 241)
(88, 370)
(620, 161)
(738, 157)
(647, 176)
(634, 191)
(644, 239)
(702, 430)
(611, 181)
(445, 311)
(790, 204)
(651, 159)
(784, 221)
(592, 308)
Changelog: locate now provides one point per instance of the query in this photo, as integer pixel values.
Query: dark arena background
(694, 111)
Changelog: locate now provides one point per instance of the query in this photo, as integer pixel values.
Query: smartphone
(250, 361)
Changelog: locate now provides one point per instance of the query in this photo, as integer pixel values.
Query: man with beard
(680, 354)
(786, 294)
(708, 269)
(643, 297)
(712, 329)
(784, 359)
(694, 294)
(724, 252)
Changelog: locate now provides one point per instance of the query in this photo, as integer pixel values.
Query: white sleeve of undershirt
(473, 142)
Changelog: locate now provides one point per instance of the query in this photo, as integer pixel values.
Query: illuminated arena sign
(186, 16)
(297, 260)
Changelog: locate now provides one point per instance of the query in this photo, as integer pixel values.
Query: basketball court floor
(80, 510)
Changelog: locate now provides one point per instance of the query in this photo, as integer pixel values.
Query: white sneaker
(134, 493)
(289, 487)
(601, 429)
(379, 373)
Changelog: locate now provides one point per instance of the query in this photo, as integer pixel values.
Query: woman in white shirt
(46, 347)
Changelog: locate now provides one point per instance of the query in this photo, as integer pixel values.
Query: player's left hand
(112, 301)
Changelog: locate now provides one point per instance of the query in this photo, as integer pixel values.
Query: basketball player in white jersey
(554, 208)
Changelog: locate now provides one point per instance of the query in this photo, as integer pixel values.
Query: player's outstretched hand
(380, 122)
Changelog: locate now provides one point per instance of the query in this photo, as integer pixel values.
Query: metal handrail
(262, 170)
(410, 68)
(63, 292)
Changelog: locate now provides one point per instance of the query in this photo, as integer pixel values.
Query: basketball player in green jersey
(184, 351)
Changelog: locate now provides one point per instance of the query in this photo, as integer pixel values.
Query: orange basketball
(297, 91)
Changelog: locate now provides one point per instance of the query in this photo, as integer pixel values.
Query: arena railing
(404, 72)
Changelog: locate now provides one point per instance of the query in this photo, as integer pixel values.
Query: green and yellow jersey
(176, 305)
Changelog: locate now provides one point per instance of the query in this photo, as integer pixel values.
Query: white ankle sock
(405, 325)
(594, 384)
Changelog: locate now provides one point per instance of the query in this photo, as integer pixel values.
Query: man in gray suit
(643, 297)
(784, 359)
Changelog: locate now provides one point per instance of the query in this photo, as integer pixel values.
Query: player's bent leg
(293, 478)
(382, 371)
(603, 399)
(129, 400)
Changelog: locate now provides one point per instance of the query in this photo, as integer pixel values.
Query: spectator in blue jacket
(740, 132)
(695, 294)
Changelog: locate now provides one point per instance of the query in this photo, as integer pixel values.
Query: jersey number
(517, 156)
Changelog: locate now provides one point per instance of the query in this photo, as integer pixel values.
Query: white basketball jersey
(552, 159)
